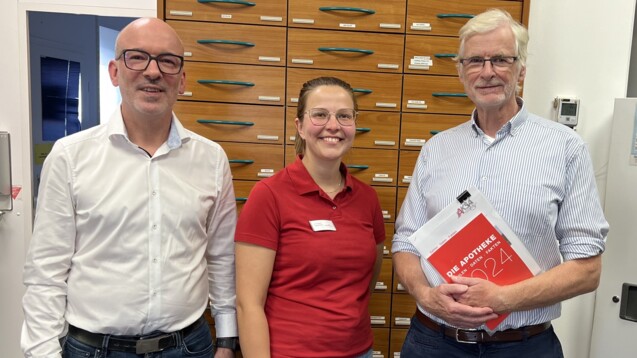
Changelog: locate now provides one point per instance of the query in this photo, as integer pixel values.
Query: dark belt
(133, 344)
(481, 336)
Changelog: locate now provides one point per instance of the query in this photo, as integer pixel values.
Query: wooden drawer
(342, 50)
(400, 197)
(242, 190)
(234, 83)
(387, 198)
(357, 15)
(379, 309)
(435, 94)
(406, 166)
(384, 283)
(446, 17)
(389, 235)
(253, 162)
(396, 339)
(232, 122)
(381, 342)
(373, 129)
(374, 91)
(230, 43)
(263, 12)
(372, 166)
(431, 55)
(417, 128)
(403, 308)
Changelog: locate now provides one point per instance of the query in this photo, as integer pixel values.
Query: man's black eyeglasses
(138, 60)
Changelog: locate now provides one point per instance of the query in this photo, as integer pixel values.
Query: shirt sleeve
(48, 260)
(222, 219)
(260, 221)
(581, 227)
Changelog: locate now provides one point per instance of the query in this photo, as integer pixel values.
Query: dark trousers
(425, 342)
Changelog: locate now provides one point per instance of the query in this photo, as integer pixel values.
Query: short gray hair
(491, 20)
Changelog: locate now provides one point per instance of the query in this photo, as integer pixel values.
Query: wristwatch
(228, 342)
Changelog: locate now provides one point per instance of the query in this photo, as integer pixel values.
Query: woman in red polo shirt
(309, 241)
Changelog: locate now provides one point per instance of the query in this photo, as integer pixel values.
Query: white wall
(578, 47)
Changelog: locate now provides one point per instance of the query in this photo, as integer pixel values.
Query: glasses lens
(169, 64)
(136, 60)
(346, 117)
(320, 116)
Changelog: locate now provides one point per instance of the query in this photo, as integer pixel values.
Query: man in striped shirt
(537, 174)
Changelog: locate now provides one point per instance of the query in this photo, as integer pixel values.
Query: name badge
(322, 225)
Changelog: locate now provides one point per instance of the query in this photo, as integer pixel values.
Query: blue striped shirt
(537, 174)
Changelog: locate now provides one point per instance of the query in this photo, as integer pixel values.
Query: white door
(613, 336)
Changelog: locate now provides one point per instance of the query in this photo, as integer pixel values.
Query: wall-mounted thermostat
(567, 110)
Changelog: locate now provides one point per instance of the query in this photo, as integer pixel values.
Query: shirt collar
(511, 127)
(303, 181)
(176, 136)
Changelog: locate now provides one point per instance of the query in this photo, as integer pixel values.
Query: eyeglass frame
(484, 60)
(355, 112)
(122, 56)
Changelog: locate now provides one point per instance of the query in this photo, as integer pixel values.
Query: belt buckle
(463, 341)
(149, 345)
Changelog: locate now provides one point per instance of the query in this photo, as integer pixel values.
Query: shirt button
(154, 193)
(154, 227)
(155, 260)
(484, 178)
(333, 207)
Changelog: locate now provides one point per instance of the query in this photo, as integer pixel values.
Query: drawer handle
(445, 55)
(365, 130)
(345, 49)
(358, 166)
(226, 42)
(434, 132)
(246, 3)
(461, 16)
(448, 94)
(240, 161)
(215, 121)
(243, 200)
(361, 90)
(225, 82)
(342, 8)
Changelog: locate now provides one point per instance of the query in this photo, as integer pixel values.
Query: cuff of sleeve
(226, 325)
(401, 246)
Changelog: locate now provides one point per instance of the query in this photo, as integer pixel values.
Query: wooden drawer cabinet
(234, 83)
(356, 15)
(446, 17)
(253, 162)
(230, 43)
(431, 55)
(385, 277)
(381, 342)
(403, 308)
(389, 235)
(242, 189)
(232, 122)
(435, 94)
(396, 339)
(379, 309)
(401, 192)
(373, 129)
(374, 91)
(341, 50)
(418, 128)
(406, 167)
(264, 12)
(387, 198)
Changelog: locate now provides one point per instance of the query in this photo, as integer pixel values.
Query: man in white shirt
(134, 227)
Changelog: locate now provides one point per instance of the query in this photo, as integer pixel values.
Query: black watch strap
(228, 342)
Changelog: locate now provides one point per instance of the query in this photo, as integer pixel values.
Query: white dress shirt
(128, 244)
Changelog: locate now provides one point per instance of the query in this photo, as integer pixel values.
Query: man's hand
(441, 302)
(224, 353)
(481, 293)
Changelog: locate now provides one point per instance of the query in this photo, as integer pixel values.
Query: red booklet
(480, 250)
(469, 238)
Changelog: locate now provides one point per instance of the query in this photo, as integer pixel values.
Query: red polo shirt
(319, 292)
